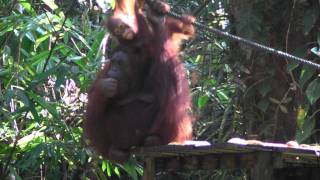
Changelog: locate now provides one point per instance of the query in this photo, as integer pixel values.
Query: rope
(248, 42)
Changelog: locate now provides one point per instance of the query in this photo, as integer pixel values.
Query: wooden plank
(205, 162)
(263, 170)
(305, 173)
(149, 170)
(300, 160)
(180, 150)
(261, 160)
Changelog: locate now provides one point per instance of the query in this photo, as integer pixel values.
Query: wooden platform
(263, 162)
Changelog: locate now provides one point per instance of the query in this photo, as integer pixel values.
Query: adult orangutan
(145, 100)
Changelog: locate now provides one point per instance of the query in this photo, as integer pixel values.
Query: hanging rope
(248, 42)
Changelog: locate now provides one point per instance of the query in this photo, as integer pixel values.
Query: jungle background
(50, 55)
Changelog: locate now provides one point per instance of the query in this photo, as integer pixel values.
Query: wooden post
(263, 170)
(149, 169)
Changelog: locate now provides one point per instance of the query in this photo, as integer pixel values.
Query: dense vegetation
(50, 54)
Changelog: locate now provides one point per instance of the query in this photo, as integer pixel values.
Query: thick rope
(248, 42)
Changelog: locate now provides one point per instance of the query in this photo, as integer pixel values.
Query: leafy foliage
(49, 57)
(50, 53)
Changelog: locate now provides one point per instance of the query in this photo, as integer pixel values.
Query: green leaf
(292, 65)
(9, 23)
(104, 165)
(41, 77)
(263, 105)
(23, 98)
(23, 142)
(81, 38)
(34, 112)
(51, 4)
(41, 39)
(313, 91)
(307, 130)
(14, 173)
(212, 82)
(108, 169)
(8, 96)
(61, 78)
(264, 88)
(52, 110)
(30, 36)
(83, 157)
(310, 18)
(202, 101)
(306, 73)
(4, 72)
(301, 115)
(27, 7)
(199, 59)
(36, 59)
(96, 44)
(222, 95)
(130, 169)
(117, 171)
(283, 109)
(101, 174)
(275, 101)
(287, 100)
(66, 37)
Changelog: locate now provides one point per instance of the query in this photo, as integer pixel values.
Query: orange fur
(113, 127)
(173, 122)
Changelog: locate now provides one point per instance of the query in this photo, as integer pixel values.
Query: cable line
(248, 42)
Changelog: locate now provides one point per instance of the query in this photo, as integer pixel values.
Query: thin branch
(57, 35)
(53, 45)
(295, 84)
(10, 157)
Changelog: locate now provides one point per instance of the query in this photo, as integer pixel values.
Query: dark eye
(121, 26)
(119, 62)
(117, 31)
(115, 62)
